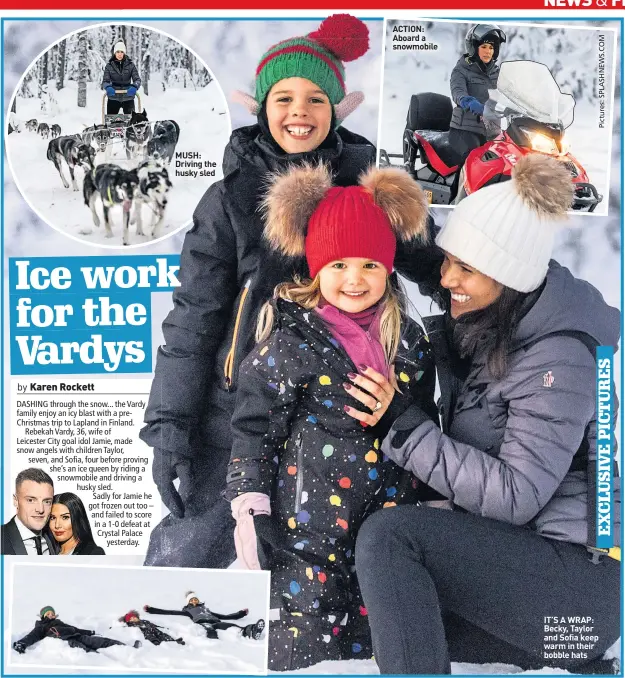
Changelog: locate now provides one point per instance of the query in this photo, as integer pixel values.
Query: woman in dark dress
(69, 527)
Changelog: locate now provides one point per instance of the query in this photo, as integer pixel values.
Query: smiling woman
(69, 526)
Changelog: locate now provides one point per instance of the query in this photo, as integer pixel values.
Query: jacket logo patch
(548, 379)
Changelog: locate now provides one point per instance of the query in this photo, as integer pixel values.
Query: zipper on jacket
(299, 481)
(229, 364)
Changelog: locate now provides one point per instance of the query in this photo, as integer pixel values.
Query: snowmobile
(116, 123)
(527, 113)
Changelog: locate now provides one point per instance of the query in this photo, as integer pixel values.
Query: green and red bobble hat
(318, 57)
(44, 610)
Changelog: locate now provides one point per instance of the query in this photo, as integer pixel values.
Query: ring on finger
(378, 406)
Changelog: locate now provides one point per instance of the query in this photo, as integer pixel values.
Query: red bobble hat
(306, 215)
(129, 615)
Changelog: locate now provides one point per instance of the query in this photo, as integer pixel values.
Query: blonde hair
(307, 293)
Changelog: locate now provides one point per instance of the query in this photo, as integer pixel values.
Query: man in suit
(23, 534)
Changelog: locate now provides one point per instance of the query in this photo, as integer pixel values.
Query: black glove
(19, 647)
(91, 633)
(180, 641)
(166, 467)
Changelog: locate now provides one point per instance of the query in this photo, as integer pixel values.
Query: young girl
(306, 470)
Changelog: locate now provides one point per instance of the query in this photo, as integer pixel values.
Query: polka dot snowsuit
(325, 474)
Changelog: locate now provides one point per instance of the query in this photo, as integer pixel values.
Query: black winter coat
(294, 442)
(120, 75)
(226, 274)
(468, 79)
(88, 548)
(199, 614)
(53, 628)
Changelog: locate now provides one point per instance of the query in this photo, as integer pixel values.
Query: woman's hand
(373, 390)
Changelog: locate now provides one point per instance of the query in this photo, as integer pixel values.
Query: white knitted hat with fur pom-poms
(506, 231)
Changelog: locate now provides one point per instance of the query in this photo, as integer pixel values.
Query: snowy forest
(81, 58)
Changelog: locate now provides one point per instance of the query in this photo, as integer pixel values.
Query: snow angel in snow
(70, 528)
(50, 626)
(120, 81)
(517, 455)
(227, 272)
(475, 73)
(303, 473)
(150, 631)
(211, 621)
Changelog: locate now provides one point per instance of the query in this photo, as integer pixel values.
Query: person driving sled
(120, 73)
(475, 73)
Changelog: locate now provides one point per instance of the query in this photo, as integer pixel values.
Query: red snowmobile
(518, 122)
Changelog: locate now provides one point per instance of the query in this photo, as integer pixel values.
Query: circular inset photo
(114, 134)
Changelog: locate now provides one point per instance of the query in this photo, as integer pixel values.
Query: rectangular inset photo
(138, 618)
(463, 103)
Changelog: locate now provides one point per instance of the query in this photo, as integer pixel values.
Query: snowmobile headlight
(544, 144)
(565, 145)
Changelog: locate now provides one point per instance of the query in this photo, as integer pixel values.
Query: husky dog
(114, 186)
(97, 137)
(164, 139)
(43, 130)
(138, 134)
(31, 125)
(55, 130)
(154, 184)
(74, 152)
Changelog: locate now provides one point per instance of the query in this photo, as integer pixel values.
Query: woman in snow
(120, 81)
(50, 626)
(303, 473)
(516, 457)
(70, 528)
(227, 272)
(475, 73)
(211, 621)
(150, 631)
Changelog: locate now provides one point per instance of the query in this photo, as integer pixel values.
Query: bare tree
(83, 47)
(145, 64)
(60, 65)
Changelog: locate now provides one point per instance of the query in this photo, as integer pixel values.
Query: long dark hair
(494, 326)
(78, 515)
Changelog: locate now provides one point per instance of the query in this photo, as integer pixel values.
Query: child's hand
(373, 390)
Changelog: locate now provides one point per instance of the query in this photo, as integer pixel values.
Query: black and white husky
(138, 133)
(114, 186)
(75, 154)
(32, 124)
(55, 130)
(43, 130)
(152, 190)
(96, 136)
(164, 139)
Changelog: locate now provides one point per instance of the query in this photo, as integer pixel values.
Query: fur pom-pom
(344, 35)
(545, 185)
(401, 198)
(290, 202)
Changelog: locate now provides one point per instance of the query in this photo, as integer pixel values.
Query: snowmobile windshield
(528, 88)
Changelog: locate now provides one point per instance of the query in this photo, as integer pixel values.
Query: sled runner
(116, 123)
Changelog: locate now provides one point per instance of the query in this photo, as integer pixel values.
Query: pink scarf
(358, 334)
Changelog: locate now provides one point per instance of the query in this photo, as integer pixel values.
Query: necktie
(37, 539)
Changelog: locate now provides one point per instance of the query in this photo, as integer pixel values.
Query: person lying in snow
(50, 626)
(150, 631)
(211, 621)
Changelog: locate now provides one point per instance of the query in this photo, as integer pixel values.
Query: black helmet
(481, 33)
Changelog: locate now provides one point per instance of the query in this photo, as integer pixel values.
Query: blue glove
(132, 91)
(166, 467)
(472, 104)
(110, 91)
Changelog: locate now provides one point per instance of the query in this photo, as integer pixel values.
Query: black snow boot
(137, 644)
(211, 632)
(180, 641)
(254, 631)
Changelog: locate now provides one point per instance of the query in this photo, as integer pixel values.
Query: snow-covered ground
(95, 598)
(204, 128)
(412, 72)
